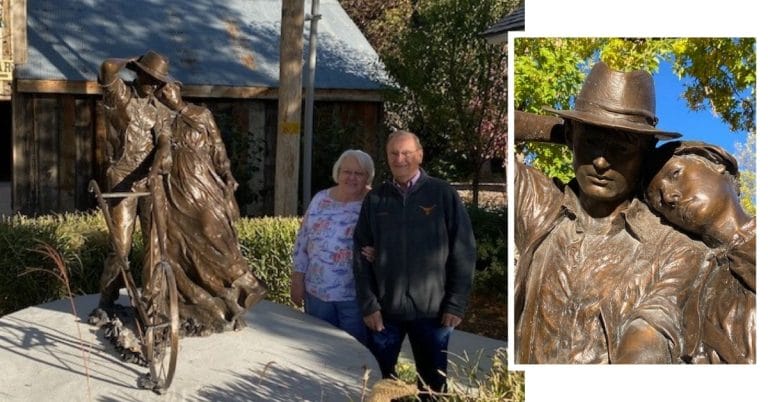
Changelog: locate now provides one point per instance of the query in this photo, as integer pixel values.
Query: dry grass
(62, 274)
(497, 384)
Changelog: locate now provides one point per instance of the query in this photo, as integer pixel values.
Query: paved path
(283, 355)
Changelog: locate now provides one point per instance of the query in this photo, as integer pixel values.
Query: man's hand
(374, 321)
(450, 320)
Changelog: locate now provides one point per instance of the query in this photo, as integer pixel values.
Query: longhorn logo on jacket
(427, 210)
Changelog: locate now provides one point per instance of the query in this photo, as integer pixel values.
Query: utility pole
(309, 105)
(289, 108)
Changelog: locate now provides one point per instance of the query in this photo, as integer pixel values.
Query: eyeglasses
(354, 173)
(404, 154)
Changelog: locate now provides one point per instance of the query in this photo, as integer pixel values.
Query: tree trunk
(476, 185)
(289, 109)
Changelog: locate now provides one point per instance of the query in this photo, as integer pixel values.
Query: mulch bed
(486, 316)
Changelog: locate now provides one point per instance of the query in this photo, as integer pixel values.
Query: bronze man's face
(146, 84)
(691, 192)
(607, 162)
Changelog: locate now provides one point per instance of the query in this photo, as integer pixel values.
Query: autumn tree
(745, 155)
(549, 72)
(718, 74)
(450, 83)
(381, 21)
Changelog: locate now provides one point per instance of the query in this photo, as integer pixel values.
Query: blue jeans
(345, 315)
(429, 343)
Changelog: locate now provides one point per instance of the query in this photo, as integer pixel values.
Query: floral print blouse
(323, 250)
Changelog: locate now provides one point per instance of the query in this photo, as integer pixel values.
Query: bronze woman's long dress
(215, 283)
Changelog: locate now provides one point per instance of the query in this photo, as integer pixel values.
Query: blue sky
(674, 114)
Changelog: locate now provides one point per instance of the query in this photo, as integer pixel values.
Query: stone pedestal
(283, 355)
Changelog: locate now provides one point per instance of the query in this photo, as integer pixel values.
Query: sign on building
(6, 70)
(6, 55)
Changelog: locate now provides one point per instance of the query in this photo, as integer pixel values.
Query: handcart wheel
(162, 333)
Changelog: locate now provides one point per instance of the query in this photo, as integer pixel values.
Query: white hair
(365, 161)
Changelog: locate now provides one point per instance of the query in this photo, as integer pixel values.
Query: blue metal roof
(515, 21)
(208, 42)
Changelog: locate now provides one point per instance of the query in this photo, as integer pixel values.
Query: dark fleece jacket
(425, 251)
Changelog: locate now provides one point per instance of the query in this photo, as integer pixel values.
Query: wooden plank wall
(24, 172)
(85, 155)
(59, 144)
(53, 153)
(249, 129)
(341, 125)
(47, 133)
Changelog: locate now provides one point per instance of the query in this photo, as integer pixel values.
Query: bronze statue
(174, 149)
(216, 285)
(138, 122)
(695, 186)
(600, 279)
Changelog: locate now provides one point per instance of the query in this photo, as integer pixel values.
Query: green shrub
(267, 243)
(490, 227)
(82, 240)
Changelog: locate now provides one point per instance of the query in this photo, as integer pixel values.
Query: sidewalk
(282, 355)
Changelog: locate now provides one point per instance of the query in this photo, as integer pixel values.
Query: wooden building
(227, 56)
(6, 78)
(514, 21)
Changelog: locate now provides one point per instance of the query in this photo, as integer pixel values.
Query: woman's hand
(369, 253)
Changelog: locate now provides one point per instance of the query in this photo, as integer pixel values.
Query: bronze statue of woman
(216, 285)
(695, 187)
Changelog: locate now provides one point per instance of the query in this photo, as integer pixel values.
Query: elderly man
(599, 278)
(418, 283)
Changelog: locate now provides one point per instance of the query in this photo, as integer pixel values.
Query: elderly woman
(695, 187)
(322, 277)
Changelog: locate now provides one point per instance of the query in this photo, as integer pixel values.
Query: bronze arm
(534, 127)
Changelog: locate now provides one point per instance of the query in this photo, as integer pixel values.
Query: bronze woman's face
(607, 162)
(170, 95)
(690, 192)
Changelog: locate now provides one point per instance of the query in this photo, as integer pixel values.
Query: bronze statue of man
(695, 186)
(600, 279)
(138, 122)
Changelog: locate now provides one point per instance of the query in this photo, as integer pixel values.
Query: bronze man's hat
(154, 64)
(625, 101)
